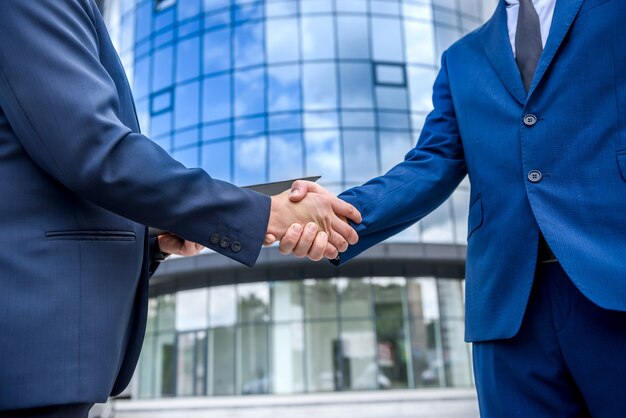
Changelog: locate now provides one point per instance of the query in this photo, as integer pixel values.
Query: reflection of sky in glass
(292, 80)
(249, 92)
(353, 37)
(283, 88)
(318, 38)
(286, 151)
(216, 57)
(320, 86)
(387, 40)
(361, 161)
(352, 78)
(188, 59)
(248, 44)
(216, 98)
(281, 40)
(216, 156)
(162, 68)
(250, 160)
(323, 154)
(186, 105)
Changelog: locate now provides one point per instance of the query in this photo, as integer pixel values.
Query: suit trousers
(57, 411)
(567, 360)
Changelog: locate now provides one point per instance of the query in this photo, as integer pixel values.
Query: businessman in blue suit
(532, 106)
(78, 184)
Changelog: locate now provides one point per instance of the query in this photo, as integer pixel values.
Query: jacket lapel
(564, 14)
(494, 37)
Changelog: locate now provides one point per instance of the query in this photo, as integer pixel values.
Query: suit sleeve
(412, 189)
(63, 106)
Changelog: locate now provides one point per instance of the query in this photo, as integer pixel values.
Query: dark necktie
(528, 44)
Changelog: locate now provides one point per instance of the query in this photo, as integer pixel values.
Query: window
(160, 5)
(390, 74)
(161, 102)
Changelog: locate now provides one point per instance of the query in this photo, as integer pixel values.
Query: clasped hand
(310, 221)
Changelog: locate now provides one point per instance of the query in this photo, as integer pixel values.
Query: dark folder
(270, 189)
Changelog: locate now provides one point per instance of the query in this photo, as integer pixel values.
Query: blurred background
(258, 91)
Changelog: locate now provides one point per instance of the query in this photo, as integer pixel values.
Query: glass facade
(307, 335)
(257, 91)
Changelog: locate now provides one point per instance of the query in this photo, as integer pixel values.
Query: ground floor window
(341, 334)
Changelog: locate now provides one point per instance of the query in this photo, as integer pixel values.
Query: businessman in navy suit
(532, 106)
(78, 185)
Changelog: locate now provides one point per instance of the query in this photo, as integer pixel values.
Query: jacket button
(535, 176)
(225, 243)
(215, 239)
(236, 247)
(530, 120)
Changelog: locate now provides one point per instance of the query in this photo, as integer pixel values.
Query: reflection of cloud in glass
(323, 154)
(248, 44)
(216, 51)
(420, 82)
(393, 148)
(320, 120)
(318, 37)
(319, 86)
(419, 40)
(286, 157)
(250, 160)
(417, 11)
(249, 92)
(281, 40)
(285, 8)
(387, 40)
(360, 149)
(284, 88)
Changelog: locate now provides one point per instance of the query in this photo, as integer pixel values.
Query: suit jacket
(552, 160)
(78, 182)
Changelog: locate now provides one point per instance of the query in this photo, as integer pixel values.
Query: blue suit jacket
(578, 144)
(77, 185)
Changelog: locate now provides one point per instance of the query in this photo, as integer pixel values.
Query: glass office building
(258, 91)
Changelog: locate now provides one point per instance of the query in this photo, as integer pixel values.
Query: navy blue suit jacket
(78, 182)
(477, 128)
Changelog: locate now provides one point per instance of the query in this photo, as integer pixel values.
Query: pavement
(419, 403)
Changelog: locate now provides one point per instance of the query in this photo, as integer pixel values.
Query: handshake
(307, 220)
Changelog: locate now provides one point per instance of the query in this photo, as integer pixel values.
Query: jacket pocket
(621, 162)
(475, 219)
(81, 235)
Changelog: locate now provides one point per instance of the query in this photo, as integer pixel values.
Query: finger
(291, 238)
(316, 253)
(269, 240)
(306, 240)
(345, 230)
(331, 252)
(169, 243)
(188, 248)
(338, 241)
(300, 188)
(345, 209)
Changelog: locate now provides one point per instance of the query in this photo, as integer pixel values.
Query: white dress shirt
(545, 10)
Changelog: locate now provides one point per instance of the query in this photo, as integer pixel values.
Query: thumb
(300, 188)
